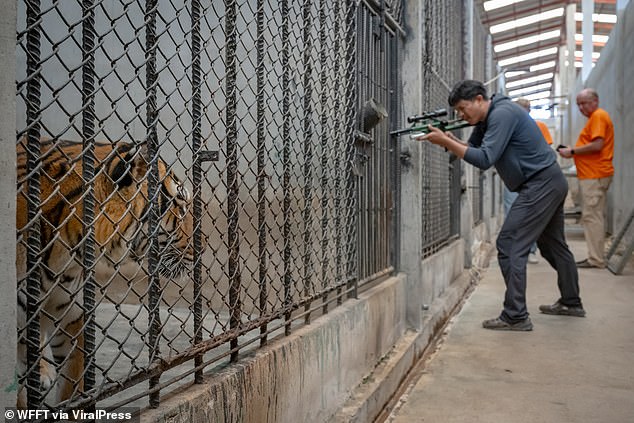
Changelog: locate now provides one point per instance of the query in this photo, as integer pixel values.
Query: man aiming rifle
(505, 137)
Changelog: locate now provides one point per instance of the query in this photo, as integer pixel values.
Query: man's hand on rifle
(444, 139)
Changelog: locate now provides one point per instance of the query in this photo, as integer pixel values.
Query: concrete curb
(379, 391)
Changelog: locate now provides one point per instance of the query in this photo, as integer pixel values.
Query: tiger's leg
(67, 346)
(47, 371)
(21, 362)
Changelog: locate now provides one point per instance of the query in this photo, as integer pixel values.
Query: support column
(621, 5)
(587, 29)
(570, 73)
(8, 334)
(410, 153)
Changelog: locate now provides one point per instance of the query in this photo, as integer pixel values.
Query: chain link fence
(193, 179)
(481, 71)
(443, 51)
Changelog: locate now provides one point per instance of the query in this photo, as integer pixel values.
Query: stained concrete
(568, 369)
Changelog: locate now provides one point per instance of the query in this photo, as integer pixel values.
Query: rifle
(420, 124)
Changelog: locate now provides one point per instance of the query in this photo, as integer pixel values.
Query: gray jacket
(510, 140)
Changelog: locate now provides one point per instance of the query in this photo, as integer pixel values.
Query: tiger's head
(124, 227)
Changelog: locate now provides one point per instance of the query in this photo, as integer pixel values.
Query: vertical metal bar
(325, 148)
(362, 181)
(286, 162)
(261, 175)
(308, 155)
(351, 109)
(33, 280)
(197, 182)
(340, 168)
(394, 111)
(233, 237)
(154, 287)
(88, 174)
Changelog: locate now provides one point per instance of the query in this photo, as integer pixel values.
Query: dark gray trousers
(536, 215)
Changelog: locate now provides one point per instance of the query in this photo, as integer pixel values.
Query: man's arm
(446, 140)
(593, 147)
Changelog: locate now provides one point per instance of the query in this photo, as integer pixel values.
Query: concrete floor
(568, 369)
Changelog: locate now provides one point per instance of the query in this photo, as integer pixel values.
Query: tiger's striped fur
(121, 234)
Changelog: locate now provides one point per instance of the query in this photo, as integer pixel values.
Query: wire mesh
(140, 248)
(480, 67)
(443, 51)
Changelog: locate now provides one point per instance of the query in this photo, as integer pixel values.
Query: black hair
(468, 89)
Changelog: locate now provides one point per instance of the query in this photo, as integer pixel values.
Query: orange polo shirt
(545, 132)
(599, 164)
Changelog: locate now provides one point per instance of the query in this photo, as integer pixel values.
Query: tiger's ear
(130, 166)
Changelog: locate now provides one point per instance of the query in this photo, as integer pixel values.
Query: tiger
(120, 230)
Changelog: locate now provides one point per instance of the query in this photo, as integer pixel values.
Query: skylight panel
(532, 88)
(529, 80)
(528, 56)
(527, 40)
(496, 4)
(597, 17)
(579, 54)
(597, 39)
(542, 66)
(528, 20)
(538, 95)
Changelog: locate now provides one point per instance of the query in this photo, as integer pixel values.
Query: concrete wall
(322, 372)
(305, 377)
(612, 77)
(7, 204)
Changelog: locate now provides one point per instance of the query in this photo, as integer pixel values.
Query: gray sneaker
(499, 324)
(563, 310)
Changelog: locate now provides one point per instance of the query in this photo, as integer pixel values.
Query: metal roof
(549, 47)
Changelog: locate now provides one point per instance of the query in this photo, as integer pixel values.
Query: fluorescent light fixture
(496, 4)
(542, 66)
(527, 40)
(528, 56)
(530, 80)
(579, 54)
(528, 20)
(597, 17)
(530, 89)
(599, 39)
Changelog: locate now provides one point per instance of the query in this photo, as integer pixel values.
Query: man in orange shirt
(545, 132)
(593, 155)
(542, 126)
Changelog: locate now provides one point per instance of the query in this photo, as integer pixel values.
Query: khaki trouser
(594, 196)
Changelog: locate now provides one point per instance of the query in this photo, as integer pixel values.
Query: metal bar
(153, 218)
(286, 159)
(88, 175)
(261, 172)
(394, 111)
(339, 166)
(351, 114)
(233, 187)
(391, 22)
(308, 153)
(324, 152)
(197, 181)
(33, 280)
